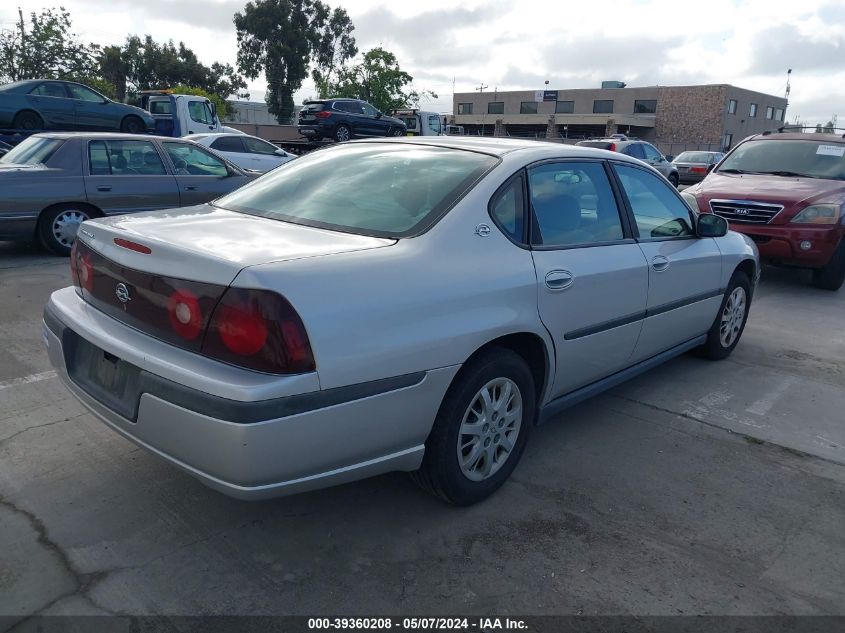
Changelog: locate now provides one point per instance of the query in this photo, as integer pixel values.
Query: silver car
(50, 183)
(414, 305)
(641, 150)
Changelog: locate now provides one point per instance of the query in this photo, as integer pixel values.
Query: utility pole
(786, 95)
(22, 62)
(482, 87)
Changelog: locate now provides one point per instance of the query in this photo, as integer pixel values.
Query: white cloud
(511, 44)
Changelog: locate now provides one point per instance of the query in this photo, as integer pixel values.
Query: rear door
(685, 271)
(51, 100)
(92, 112)
(128, 176)
(592, 278)
(654, 158)
(232, 148)
(201, 176)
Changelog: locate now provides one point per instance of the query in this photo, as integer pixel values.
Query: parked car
(641, 150)
(785, 191)
(230, 340)
(38, 104)
(247, 152)
(52, 182)
(694, 166)
(344, 119)
(4, 147)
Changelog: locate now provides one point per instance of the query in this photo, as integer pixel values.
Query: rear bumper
(314, 130)
(255, 449)
(782, 244)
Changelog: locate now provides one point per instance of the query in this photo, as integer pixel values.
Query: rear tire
(28, 120)
(132, 125)
(832, 276)
(673, 178)
(481, 429)
(342, 133)
(396, 132)
(730, 321)
(58, 225)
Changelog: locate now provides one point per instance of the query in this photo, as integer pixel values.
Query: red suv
(786, 191)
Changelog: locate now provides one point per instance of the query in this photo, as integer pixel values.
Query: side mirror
(669, 157)
(379, 115)
(280, 152)
(710, 225)
(213, 109)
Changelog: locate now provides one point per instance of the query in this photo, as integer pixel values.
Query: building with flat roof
(672, 117)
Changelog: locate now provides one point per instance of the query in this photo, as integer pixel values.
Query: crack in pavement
(38, 426)
(84, 581)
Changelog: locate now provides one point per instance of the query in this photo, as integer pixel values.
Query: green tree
(281, 37)
(333, 46)
(379, 80)
(45, 47)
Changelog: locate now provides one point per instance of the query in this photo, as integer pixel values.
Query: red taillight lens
(259, 330)
(322, 114)
(74, 272)
(133, 246)
(85, 270)
(698, 170)
(184, 313)
(612, 147)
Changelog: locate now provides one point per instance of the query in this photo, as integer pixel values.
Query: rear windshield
(596, 144)
(312, 107)
(32, 151)
(789, 158)
(379, 189)
(696, 157)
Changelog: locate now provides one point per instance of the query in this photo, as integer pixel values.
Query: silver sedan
(414, 305)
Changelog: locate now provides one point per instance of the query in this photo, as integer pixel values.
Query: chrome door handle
(559, 279)
(103, 188)
(659, 263)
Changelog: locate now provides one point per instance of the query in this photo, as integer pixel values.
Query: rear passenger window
(507, 209)
(635, 150)
(573, 204)
(228, 144)
(658, 210)
(124, 158)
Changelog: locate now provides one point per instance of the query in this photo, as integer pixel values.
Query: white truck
(182, 115)
(421, 123)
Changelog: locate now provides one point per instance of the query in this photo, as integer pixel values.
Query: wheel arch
(533, 350)
(749, 267)
(95, 211)
(31, 111)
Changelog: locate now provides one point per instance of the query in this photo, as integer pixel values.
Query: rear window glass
(313, 107)
(385, 190)
(32, 151)
(789, 158)
(596, 144)
(160, 107)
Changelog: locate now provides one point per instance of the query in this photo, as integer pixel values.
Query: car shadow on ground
(17, 254)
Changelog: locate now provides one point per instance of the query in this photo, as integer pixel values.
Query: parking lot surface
(697, 488)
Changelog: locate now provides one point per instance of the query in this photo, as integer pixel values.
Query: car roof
(108, 135)
(799, 136)
(497, 146)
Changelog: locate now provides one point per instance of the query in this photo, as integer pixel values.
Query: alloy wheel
(733, 316)
(66, 225)
(489, 429)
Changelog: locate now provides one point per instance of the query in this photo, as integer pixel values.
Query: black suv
(343, 119)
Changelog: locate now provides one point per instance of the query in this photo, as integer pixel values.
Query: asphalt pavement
(698, 488)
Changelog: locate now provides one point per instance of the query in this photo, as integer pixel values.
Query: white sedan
(247, 152)
(399, 304)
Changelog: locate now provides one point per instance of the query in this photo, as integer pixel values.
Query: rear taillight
(698, 170)
(612, 147)
(74, 273)
(259, 330)
(323, 114)
(185, 314)
(85, 271)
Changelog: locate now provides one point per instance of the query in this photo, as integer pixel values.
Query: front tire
(132, 125)
(481, 429)
(57, 227)
(730, 321)
(673, 178)
(397, 132)
(342, 133)
(832, 275)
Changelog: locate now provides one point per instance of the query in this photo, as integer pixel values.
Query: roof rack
(807, 129)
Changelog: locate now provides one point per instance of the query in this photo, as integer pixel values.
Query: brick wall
(690, 113)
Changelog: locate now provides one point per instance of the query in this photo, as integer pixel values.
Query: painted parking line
(44, 375)
(764, 404)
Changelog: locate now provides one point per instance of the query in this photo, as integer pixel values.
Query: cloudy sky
(513, 44)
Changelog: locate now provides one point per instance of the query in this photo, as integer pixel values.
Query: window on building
(645, 106)
(496, 107)
(770, 112)
(727, 141)
(564, 107)
(464, 108)
(752, 112)
(778, 114)
(732, 106)
(603, 106)
(528, 107)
